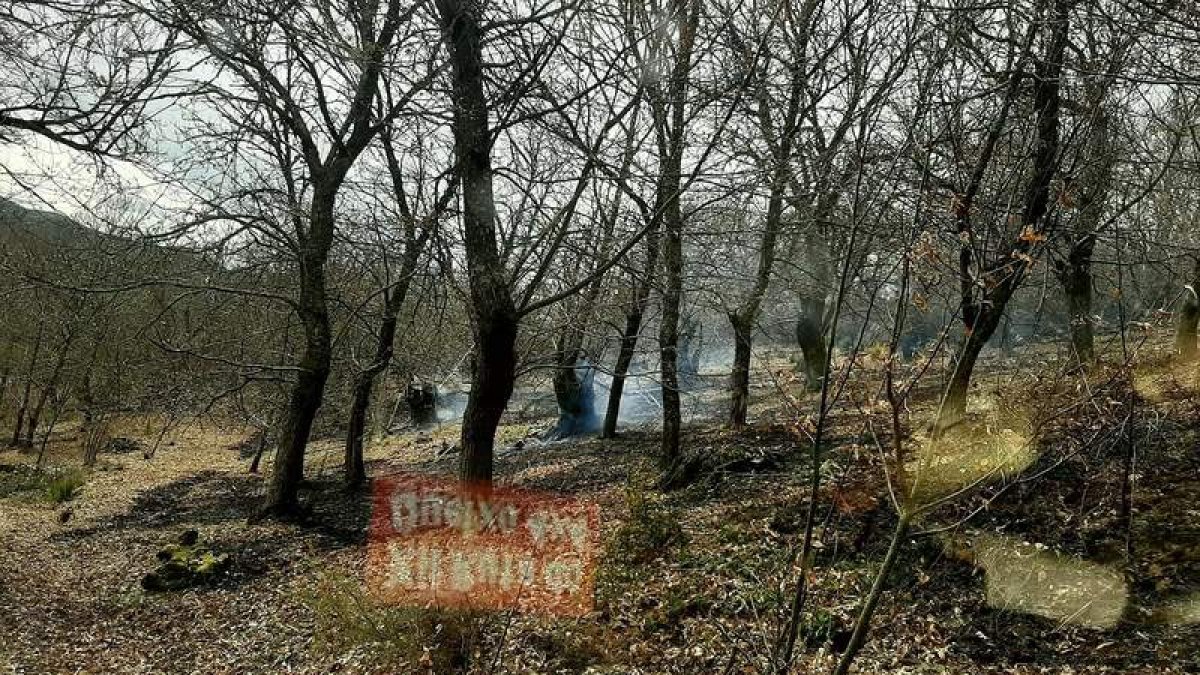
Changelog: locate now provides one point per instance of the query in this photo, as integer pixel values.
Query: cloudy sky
(40, 174)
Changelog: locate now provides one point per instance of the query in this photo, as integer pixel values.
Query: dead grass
(694, 581)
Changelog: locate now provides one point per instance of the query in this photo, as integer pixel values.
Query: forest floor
(1018, 562)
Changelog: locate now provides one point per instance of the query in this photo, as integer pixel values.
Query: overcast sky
(43, 175)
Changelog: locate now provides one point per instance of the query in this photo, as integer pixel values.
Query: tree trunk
(669, 107)
(19, 426)
(3, 388)
(739, 379)
(36, 415)
(954, 401)
(309, 388)
(574, 381)
(305, 400)
(1075, 274)
(258, 451)
(1189, 314)
(494, 315)
(746, 315)
(354, 466)
(811, 328)
(981, 315)
(629, 338)
(346, 141)
(668, 334)
(491, 387)
(355, 469)
(810, 334)
(1076, 279)
(574, 375)
(87, 402)
(23, 408)
(55, 410)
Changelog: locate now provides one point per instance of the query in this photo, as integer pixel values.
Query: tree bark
(1076, 280)
(263, 441)
(810, 334)
(672, 107)
(1075, 274)
(355, 469)
(34, 419)
(309, 389)
(491, 387)
(36, 415)
(668, 334)
(414, 244)
(85, 397)
(629, 338)
(1004, 276)
(574, 375)
(3, 388)
(954, 400)
(494, 314)
(1189, 315)
(56, 410)
(745, 316)
(739, 378)
(327, 173)
(23, 408)
(811, 326)
(574, 380)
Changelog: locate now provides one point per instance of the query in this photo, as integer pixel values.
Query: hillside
(1026, 580)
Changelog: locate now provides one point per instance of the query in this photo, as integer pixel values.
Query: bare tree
(306, 81)
(87, 76)
(985, 297)
(416, 229)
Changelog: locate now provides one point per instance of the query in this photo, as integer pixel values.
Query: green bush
(53, 485)
(63, 487)
(817, 628)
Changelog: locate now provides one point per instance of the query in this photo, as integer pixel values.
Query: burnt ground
(694, 580)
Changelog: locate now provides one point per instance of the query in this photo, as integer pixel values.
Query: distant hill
(33, 239)
(18, 223)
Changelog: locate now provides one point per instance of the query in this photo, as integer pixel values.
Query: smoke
(716, 360)
(641, 398)
(575, 395)
(451, 405)
(703, 391)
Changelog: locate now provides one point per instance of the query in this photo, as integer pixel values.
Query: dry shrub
(399, 639)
